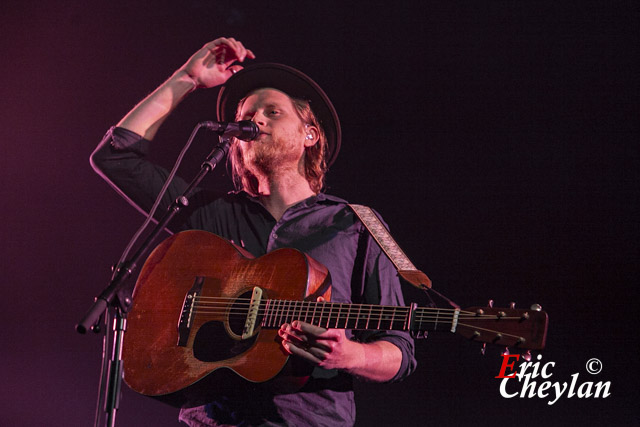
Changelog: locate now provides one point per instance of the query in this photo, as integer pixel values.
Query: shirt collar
(322, 198)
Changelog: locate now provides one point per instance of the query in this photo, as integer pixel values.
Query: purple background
(498, 139)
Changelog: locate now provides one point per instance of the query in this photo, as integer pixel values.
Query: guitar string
(335, 320)
(365, 313)
(291, 305)
(372, 313)
(319, 309)
(241, 301)
(490, 330)
(364, 316)
(375, 315)
(340, 312)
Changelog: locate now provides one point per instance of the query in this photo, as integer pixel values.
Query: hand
(327, 348)
(212, 65)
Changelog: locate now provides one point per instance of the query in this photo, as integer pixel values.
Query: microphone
(245, 129)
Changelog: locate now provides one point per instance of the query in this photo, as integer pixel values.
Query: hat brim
(290, 81)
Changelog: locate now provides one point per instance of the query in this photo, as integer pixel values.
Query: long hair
(315, 165)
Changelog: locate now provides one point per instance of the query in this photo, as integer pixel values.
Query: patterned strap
(405, 267)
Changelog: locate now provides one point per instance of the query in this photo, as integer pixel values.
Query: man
(279, 204)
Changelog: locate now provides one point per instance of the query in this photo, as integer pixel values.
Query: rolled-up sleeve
(382, 286)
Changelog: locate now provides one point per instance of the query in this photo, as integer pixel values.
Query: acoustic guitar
(202, 304)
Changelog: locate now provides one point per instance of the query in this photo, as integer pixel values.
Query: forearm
(146, 117)
(210, 66)
(120, 160)
(377, 361)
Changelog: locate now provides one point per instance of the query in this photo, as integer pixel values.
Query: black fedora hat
(290, 81)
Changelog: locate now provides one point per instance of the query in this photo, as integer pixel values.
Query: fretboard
(353, 316)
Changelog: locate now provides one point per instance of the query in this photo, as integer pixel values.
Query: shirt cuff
(125, 140)
(409, 363)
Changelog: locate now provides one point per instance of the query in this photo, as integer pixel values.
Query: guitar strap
(390, 247)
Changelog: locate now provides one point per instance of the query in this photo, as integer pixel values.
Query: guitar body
(173, 364)
(206, 314)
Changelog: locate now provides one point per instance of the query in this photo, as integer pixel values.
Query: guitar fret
(301, 310)
(285, 312)
(321, 319)
(274, 313)
(266, 310)
(313, 316)
(407, 320)
(345, 315)
(423, 313)
(352, 322)
(393, 316)
(323, 314)
(280, 310)
(346, 320)
(366, 326)
(326, 316)
(407, 315)
(296, 316)
(287, 317)
(280, 313)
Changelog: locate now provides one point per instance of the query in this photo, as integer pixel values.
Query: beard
(269, 155)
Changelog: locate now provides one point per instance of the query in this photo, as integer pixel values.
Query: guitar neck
(356, 316)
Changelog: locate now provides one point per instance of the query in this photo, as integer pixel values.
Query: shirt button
(274, 236)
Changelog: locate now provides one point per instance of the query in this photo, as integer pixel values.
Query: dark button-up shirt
(322, 226)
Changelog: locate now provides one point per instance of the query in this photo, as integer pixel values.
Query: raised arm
(210, 66)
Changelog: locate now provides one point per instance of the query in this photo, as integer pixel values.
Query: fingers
(309, 354)
(234, 69)
(302, 345)
(304, 338)
(308, 338)
(307, 328)
(228, 50)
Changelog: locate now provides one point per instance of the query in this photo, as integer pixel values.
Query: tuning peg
(536, 307)
(512, 304)
(490, 303)
(527, 356)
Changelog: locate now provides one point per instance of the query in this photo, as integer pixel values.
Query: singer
(279, 176)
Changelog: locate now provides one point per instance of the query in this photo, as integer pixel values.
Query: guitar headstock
(524, 329)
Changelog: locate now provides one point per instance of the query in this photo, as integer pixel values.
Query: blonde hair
(315, 165)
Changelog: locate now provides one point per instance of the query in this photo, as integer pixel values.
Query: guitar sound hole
(214, 343)
(238, 313)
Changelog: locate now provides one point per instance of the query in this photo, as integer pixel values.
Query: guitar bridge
(188, 308)
(252, 314)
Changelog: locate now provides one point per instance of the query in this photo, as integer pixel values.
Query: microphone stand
(118, 296)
